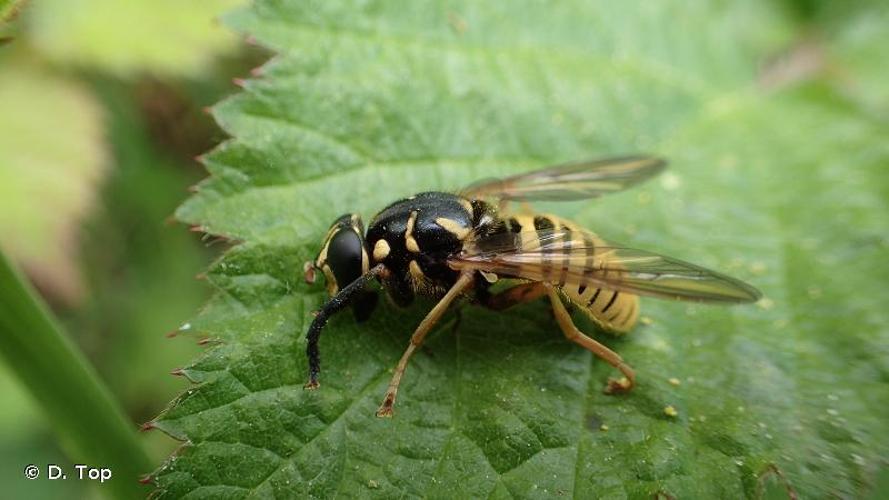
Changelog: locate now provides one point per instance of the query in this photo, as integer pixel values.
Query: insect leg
(576, 336)
(463, 282)
(333, 306)
(516, 295)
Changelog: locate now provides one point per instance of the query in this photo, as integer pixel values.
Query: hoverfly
(446, 246)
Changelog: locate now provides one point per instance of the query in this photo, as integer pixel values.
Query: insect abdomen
(615, 312)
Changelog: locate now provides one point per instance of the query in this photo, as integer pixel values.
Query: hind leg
(574, 335)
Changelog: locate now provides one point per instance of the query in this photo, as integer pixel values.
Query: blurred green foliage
(96, 150)
(47, 190)
(8, 9)
(67, 388)
(162, 37)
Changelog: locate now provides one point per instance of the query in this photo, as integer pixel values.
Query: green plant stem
(91, 425)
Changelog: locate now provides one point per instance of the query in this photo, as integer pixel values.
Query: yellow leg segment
(463, 282)
(574, 335)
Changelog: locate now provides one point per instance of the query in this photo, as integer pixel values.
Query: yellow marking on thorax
(453, 227)
(409, 240)
(467, 205)
(381, 250)
(416, 273)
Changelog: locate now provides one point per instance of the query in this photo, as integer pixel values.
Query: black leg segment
(333, 306)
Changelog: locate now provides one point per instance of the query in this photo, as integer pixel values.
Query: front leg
(463, 283)
(333, 306)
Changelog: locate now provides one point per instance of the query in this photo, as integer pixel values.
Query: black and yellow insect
(447, 246)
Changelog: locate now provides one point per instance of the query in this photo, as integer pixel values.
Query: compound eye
(344, 256)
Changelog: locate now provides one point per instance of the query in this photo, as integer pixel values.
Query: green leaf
(367, 102)
(857, 46)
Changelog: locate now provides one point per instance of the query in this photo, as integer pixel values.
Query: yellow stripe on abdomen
(615, 312)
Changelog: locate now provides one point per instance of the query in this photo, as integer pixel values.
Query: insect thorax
(415, 236)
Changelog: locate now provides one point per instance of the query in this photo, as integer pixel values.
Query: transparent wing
(572, 181)
(562, 256)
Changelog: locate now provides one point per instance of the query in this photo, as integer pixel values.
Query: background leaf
(52, 160)
(9, 8)
(92, 167)
(162, 37)
(778, 181)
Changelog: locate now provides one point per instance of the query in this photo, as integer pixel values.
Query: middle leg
(463, 282)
